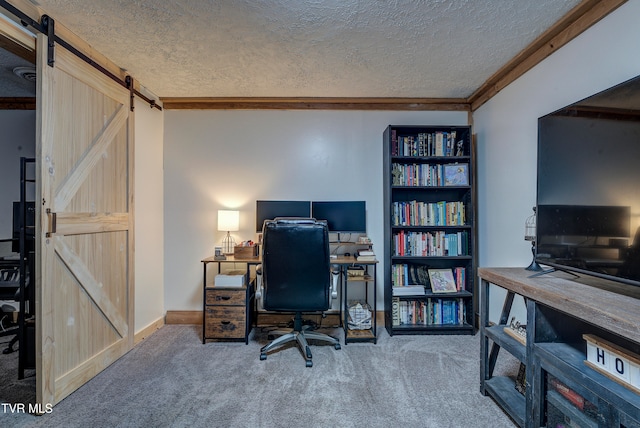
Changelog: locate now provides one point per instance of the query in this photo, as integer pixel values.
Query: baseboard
(195, 317)
(148, 331)
(183, 317)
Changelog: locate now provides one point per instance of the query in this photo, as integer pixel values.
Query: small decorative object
(228, 221)
(530, 235)
(246, 250)
(442, 281)
(613, 361)
(456, 174)
(517, 331)
(218, 254)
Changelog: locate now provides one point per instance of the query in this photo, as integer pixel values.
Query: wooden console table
(560, 309)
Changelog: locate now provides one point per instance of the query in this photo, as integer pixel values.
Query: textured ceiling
(310, 48)
(16, 84)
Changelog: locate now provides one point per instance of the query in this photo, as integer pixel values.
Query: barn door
(85, 263)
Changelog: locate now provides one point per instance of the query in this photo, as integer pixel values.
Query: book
(442, 281)
(409, 290)
(521, 379)
(395, 311)
(365, 253)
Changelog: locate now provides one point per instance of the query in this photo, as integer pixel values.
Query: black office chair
(296, 278)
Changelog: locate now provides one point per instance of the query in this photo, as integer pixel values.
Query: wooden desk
(250, 309)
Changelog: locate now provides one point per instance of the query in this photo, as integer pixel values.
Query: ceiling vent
(27, 73)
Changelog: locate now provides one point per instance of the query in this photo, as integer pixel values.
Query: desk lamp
(530, 235)
(229, 221)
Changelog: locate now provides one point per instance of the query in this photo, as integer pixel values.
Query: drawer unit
(227, 313)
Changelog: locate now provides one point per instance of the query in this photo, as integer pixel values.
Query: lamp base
(227, 244)
(534, 266)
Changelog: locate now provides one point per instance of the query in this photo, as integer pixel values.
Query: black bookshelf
(429, 223)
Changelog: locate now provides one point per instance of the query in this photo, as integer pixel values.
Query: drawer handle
(223, 297)
(225, 322)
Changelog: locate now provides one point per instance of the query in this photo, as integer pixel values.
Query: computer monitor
(268, 210)
(342, 216)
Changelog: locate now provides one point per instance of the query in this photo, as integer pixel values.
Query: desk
(227, 308)
(211, 313)
(369, 335)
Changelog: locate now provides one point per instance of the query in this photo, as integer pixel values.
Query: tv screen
(342, 216)
(268, 210)
(588, 197)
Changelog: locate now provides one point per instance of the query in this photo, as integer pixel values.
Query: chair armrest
(335, 278)
(258, 281)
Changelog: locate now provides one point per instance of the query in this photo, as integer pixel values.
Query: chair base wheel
(309, 363)
(337, 346)
(263, 357)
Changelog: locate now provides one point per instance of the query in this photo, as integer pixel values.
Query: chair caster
(337, 346)
(309, 363)
(263, 356)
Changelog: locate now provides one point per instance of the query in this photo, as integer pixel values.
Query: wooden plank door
(84, 285)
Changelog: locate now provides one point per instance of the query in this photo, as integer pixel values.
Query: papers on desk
(234, 278)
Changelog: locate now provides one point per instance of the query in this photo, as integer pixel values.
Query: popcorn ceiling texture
(309, 48)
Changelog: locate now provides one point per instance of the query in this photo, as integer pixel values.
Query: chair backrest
(295, 265)
(9, 283)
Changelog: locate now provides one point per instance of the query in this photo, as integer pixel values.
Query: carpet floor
(172, 380)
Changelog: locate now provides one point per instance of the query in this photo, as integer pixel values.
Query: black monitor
(342, 216)
(268, 210)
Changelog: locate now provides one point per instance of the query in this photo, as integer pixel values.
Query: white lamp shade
(228, 220)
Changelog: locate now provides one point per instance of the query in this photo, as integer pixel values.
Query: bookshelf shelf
(429, 218)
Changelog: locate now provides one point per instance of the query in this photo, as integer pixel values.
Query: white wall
(18, 140)
(507, 132)
(229, 159)
(149, 218)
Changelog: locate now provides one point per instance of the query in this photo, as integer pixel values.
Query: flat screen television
(268, 210)
(341, 216)
(588, 186)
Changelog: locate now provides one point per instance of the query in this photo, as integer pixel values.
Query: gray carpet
(173, 380)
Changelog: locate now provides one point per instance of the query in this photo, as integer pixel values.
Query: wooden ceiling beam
(17, 103)
(574, 23)
(314, 103)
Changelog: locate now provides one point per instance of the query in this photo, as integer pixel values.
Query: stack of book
(365, 256)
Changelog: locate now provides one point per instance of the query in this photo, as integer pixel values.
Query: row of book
(431, 244)
(406, 278)
(418, 213)
(432, 311)
(429, 175)
(439, 143)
